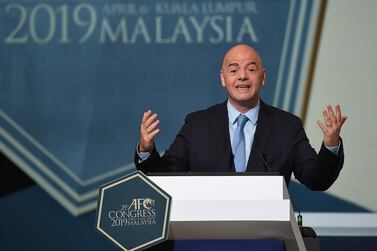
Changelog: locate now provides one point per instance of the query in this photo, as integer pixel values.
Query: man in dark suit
(244, 134)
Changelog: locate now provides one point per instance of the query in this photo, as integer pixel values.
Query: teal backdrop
(76, 76)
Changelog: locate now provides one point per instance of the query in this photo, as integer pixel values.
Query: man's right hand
(148, 130)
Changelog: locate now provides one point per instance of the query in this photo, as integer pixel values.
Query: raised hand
(148, 130)
(332, 125)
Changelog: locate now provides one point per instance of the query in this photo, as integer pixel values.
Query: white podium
(231, 207)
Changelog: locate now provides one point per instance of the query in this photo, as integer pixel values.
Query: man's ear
(264, 76)
(222, 78)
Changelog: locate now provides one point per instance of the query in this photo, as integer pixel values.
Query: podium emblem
(133, 212)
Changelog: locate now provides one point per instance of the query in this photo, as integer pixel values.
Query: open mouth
(242, 86)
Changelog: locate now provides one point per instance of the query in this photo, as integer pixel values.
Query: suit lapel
(261, 137)
(223, 160)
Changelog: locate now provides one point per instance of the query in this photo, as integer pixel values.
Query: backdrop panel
(76, 76)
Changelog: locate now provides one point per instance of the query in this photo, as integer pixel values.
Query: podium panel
(230, 208)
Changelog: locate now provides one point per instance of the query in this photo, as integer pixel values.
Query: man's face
(242, 75)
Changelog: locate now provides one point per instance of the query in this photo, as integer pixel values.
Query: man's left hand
(332, 125)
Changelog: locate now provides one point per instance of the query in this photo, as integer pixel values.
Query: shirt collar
(251, 114)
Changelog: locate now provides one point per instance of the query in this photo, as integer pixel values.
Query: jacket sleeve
(316, 171)
(175, 159)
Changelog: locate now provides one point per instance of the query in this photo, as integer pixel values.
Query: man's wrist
(333, 149)
(142, 155)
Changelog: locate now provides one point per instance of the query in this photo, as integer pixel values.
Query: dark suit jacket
(203, 145)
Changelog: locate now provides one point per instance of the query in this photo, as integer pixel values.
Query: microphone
(266, 165)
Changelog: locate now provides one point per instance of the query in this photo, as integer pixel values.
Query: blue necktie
(239, 144)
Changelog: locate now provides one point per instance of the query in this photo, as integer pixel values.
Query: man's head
(242, 74)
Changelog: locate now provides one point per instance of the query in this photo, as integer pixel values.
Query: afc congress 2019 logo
(140, 211)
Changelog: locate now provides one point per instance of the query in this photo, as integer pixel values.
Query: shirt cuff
(334, 149)
(143, 156)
